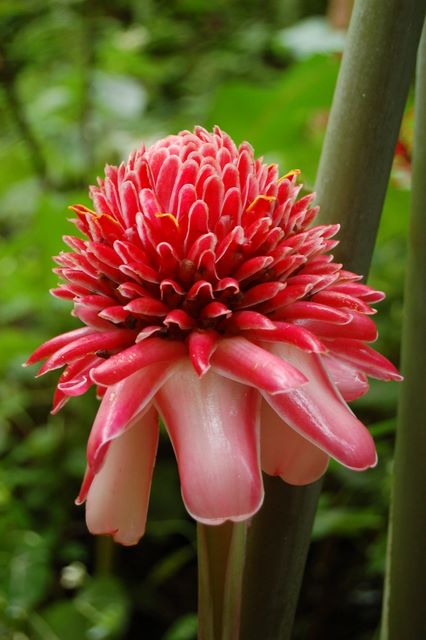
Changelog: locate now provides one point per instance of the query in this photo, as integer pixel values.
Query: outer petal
(201, 345)
(361, 327)
(286, 454)
(351, 382)
(318, 412)
(121, 404)
(213, 425)
(149, 351)
(291, 333)
(241, 360)
(117, 502)
(88, 344)
(47, 348)
(365, 358)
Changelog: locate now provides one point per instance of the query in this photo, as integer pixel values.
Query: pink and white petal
(365, 358)
(287, 454)
(318, 412)
(123, 364)
(240, 360)
(314, 311)
(51, 346)
(87, 345)
(122, 403)
(361, 327)
(349, 380)
(289, 332)
(213, 424)
(117, 500)
(201, 345)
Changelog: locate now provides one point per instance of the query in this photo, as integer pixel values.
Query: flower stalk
(371, 92)
(276, 557)
(405, 591)
(377, 69)
(221, 552)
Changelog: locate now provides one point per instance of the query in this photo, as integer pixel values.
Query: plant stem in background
(405, 591)
(221, 551)
(88, 60)
(104, 555)
(377, 68)
(276, 558)
(19, 117)
(371, 91)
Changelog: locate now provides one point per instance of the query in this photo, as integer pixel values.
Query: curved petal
(318, 412)
(365, 358)
(314, 311)
(361, 327)
(201, 345)
(213, 425)
(88, 344)
(117, 500)
(123, 364)
(241, 360)
(290, 332)
(351, 382)
(287, 454)
(121, 404)
(54, 344)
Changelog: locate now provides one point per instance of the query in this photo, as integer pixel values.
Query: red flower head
(209, 300)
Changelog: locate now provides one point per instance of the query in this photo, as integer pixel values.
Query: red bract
(209, 300)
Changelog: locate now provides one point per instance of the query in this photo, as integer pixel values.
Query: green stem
(221, 552)
(8, 79)
(104, 555)
(405, 592)
(372, 88)
(276, 559)
(377, 68)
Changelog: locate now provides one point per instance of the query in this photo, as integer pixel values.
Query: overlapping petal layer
(203, 287)
(117, 502)
(287, 454)
(215, 434)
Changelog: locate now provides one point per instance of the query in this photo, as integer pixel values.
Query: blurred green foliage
(82, 82)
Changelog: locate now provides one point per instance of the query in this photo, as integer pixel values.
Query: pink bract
(209, 300)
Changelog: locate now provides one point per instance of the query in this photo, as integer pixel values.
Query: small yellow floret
(290, 174)
(168, 215)
(256, 200)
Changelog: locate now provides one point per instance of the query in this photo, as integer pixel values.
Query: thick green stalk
(221, 553)
(377, 66)
(405, 593)
(104, 555)
(276, 559)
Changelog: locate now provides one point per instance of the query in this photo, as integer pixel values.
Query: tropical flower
(209, 300)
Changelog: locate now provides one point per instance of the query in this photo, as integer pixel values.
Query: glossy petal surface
(241, 360)
(318, 412)
(122, 403)
(350, 382)
(287, 454)
(117, 500)
(213, 425)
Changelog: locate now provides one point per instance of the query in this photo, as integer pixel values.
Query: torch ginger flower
(209, 300)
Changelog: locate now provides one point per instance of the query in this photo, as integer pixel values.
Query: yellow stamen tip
(168, 215)
(290, 174)
(256, 200)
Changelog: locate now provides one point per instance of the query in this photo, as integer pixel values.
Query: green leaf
(59, 621)
(104, 604)
(183, 629)
(26, 578)
(345, 522)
